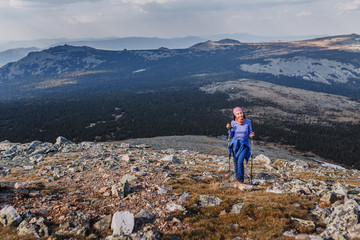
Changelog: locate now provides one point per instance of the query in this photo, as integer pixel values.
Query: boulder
(174, 207)
(320, 213)
(298, 166)
(209, 201)
(354, 232)
(6, 145)
(35, 159)
(76, 223)
(328, 198)
(145, 215)
(9, 216)
(120, 190)
(103, 224)
(303, 225)
(275, 189)
(266, 176)
(35, 227)
(60, 141)
(261, 158)
(171, 158)
(339, 189)
(183, 197)
(343, 218)
(33, 145)
(290, 233)
(304, 236)
(123, 223)
(236, 208)
(258, 181)
(245, 187)
(128, 177)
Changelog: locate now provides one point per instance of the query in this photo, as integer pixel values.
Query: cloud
(349, 6)
(4, 3)
(23, 4)
(169, 18)
(304, 14)
(83, 19)
(143, 2)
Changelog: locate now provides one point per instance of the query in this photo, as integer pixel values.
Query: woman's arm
(231, 130)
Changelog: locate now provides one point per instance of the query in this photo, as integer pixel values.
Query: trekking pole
(251, 173)
(228, 141)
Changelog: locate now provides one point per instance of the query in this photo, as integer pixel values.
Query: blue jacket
(236, 146)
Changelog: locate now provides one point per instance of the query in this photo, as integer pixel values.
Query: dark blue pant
(239, 164)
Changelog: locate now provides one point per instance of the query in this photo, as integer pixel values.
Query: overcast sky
(35, 19)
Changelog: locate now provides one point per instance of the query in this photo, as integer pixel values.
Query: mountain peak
(67, 48)
(228, 41)
(210, 45)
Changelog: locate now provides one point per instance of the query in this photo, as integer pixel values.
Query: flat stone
(209, 201)
(174, 207)
(236, 208)
(183, 197)
(274, 189)
(304, 236)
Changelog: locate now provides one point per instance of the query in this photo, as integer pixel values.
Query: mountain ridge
(330, 61)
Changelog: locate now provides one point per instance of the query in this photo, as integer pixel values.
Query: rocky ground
(165, 187)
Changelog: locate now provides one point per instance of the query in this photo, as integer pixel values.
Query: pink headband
(237, 109)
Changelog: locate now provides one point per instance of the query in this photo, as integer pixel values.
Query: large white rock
(123, 223)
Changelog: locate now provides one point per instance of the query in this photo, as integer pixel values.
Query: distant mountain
(130, 43)
(135, 43)
(138, 43)
(39, 43)
(13, 55)
(328, 64)
(249, 38)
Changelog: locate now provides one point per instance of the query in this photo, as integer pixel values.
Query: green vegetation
(187, 111)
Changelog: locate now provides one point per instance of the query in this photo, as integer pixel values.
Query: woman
(240, 131)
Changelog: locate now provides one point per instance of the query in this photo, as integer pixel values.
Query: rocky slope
(130, 190)
(290, 104)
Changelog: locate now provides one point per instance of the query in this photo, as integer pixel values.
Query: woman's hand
(252, 134)
(228, 126)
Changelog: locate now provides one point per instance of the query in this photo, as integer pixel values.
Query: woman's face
(239, 115)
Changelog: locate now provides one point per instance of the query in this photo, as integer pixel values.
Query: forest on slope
(186, 111)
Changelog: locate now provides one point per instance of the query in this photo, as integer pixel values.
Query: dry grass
(7, 233)
(264, 215)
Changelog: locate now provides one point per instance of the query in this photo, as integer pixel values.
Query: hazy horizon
(24, 20)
